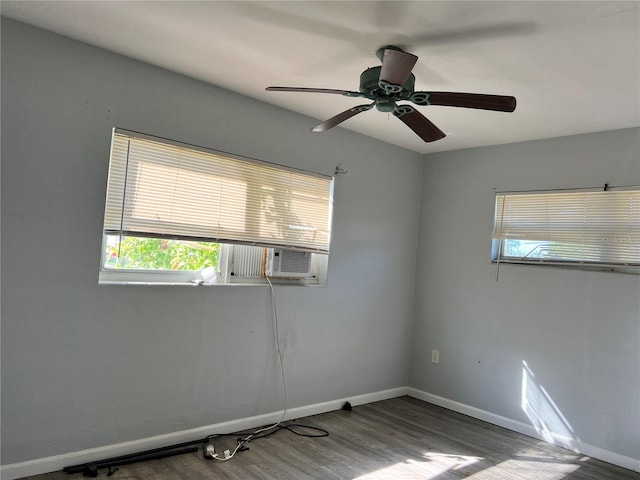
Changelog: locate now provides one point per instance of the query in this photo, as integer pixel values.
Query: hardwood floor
(397, 439)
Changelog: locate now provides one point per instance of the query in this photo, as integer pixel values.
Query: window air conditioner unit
(288, 263)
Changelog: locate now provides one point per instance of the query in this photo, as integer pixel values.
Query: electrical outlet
(435, 356)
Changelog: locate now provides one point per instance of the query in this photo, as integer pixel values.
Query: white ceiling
(574, 67)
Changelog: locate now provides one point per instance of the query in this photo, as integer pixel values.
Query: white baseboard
(58, 462)
(583, 448)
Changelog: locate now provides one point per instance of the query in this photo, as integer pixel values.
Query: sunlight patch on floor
(525, 470)
(432, 467)
(540, 453)
(441, 463)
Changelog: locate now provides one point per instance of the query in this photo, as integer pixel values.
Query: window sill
(312, 282)
(627, 269)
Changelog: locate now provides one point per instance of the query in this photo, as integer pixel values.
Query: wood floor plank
(401, 438)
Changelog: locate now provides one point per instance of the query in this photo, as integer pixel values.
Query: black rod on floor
(161, 452)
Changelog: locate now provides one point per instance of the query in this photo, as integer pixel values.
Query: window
(585, 229)
(173, 210)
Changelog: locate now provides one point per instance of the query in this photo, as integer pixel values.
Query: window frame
(279, 191)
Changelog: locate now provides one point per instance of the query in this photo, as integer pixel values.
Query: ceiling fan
(392, 82)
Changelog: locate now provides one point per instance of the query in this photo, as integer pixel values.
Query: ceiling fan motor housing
(371, 89)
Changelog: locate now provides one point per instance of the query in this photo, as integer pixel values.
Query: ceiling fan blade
(420, 124)
(396, 66)
(500, 103)
(341, 117)
(452, 34)
(314, 90)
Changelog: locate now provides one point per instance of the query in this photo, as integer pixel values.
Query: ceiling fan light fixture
(385, 104)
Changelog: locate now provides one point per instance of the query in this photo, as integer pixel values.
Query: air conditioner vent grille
(288, 263)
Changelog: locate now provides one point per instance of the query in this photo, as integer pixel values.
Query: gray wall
(83, 365)
(578, 332)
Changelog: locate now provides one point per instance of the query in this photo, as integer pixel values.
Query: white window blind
(165, 189)
(587, 227)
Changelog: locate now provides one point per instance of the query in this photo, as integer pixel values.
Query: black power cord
(292, 427)
(243, 439)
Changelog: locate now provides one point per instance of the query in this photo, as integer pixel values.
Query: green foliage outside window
(160, 254)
